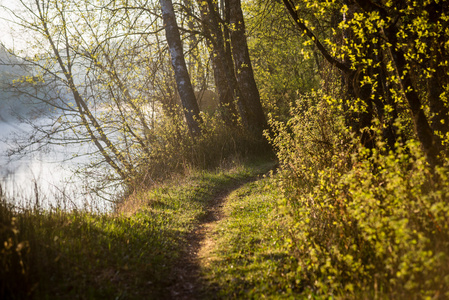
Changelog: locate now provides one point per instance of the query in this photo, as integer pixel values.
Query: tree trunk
(435, 84)
(225, 82)
(90, 123)
(182, 78)
(251, 108)
(424, 132)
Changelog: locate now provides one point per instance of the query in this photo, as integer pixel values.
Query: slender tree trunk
(182, 78)
(194, 64)
(90, 123)
(252, 112)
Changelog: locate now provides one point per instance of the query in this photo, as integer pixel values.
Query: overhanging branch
(332, 60)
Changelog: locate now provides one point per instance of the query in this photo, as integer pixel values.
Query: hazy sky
(7, 37)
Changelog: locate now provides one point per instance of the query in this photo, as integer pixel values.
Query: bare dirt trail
(188, 283)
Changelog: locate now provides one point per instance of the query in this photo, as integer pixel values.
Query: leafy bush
(364, 222)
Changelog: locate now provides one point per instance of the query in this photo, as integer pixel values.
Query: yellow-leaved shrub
(370, 223)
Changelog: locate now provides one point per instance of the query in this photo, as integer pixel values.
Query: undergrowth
(173, 150)
(127, 254)
(367, 223)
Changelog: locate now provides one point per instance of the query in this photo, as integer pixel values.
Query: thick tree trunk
(182, 78)
(429, 141)
(225, 82)
(435, 88)
(440, 110)
(389, 129)
(251, 108)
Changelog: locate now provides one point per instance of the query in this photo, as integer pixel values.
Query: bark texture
(225, 81)
(249, 101)
(183, 83)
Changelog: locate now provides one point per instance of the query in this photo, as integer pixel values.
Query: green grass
(251, 259)
(124, 255)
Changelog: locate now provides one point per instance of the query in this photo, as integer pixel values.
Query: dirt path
(188, 282)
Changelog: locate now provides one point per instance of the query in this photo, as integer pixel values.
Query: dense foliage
(356, 97)
(365, 222)
(364, 167)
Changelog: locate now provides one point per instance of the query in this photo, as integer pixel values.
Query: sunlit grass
(126, 254)
(250, 259)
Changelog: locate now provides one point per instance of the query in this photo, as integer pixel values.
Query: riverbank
(134, 253)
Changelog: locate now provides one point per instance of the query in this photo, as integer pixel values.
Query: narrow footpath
(188, 283)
